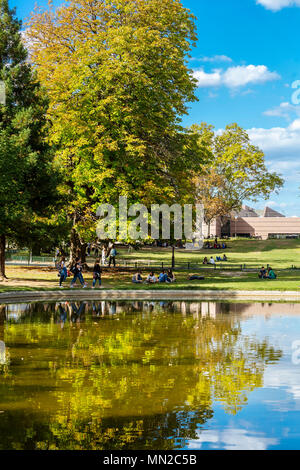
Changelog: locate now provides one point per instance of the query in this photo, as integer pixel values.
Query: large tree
(236, 172)
(27, 179)
(118, 81)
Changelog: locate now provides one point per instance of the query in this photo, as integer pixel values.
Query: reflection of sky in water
(272, 416)
(171, 344)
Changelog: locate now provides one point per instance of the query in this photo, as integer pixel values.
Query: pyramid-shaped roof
(268, 212)
(246, 211)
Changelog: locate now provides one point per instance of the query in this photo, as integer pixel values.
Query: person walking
(63, 272)
(112, 256)
(77, 271)
(97, 271)
(103, 256)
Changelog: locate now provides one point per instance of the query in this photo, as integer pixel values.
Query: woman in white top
(151, 278)
(103, 256)
(212, 261)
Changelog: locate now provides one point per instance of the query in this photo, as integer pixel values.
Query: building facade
(259, 224)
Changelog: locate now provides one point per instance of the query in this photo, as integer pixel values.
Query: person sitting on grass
(137, 278)
(262, 273)
(195, 277)
(171, 276)
(151, 279)
(225, 258)
(212, 261)
(205, 261)
(271, 274)
(163, 277)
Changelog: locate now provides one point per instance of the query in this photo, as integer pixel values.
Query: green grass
(280, 254)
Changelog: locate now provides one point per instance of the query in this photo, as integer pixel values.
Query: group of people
(215, 245)
(164, 276)
(212, 260)
(267, 273)
(92, 249)
(109, 252)
(76, 271)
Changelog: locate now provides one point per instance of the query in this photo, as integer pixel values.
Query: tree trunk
(208, 229)
(2, 257)
(83, 247)
(36, 249)
(74, 246)
(77, 249)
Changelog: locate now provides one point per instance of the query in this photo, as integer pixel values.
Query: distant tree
(211, 192)
(27, 177)
(236, 172)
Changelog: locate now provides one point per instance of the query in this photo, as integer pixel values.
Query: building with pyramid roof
(261, 224)
(268, 212)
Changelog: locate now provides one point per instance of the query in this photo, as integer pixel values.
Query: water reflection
(127, 375)
(2, 353)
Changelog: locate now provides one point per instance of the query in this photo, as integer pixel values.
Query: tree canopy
(118, 82)
(236, 172)
(27, 178)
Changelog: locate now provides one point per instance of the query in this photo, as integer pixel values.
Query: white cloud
(208, 79)
(284, 166)
(281, 146)
(284, 378)
(278, 141)
(243, 75)
(276, 5)
(284, 110)
(232, 439)
(235, 77)
(282, 205)
(215, 58)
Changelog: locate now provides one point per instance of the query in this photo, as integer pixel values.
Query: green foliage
(27, 177)
(237, 171)
(118, 81)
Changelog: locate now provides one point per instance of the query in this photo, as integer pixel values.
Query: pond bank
(81, 294)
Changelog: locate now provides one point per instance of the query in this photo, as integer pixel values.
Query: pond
(149, 375)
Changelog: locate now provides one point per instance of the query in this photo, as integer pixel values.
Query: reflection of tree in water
(4, 355)
(142, 380)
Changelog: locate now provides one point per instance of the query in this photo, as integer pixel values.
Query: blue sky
(246, 60)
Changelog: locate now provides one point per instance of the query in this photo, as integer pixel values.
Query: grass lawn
(280, 254)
